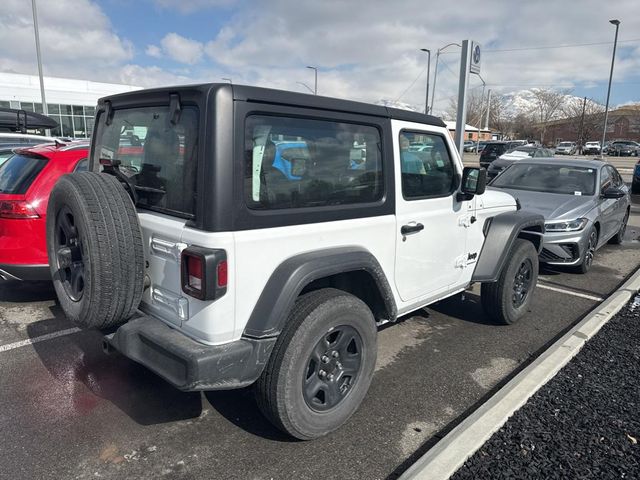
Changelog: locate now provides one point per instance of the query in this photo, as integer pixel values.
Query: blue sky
(367, 50)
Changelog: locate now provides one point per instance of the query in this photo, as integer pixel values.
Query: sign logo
(476, 54)
(475, 58)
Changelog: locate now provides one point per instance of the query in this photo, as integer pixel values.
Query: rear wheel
(508, 299)
(618, 237)
(95, 249)
(321, 366)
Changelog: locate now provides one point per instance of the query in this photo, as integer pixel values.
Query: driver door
(431, 229)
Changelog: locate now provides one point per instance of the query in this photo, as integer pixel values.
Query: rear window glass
(159, 157)
(18, 173)
(498, 148)
(296, 163)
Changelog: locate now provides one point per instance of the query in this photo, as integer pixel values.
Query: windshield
(548, 178)
(18, 173)
(4, 155)
(159, 157)
(565, 144)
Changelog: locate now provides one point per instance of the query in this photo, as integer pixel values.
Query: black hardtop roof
(281, 97)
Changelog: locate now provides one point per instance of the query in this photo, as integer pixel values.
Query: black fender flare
(501, 232)
(291, 276)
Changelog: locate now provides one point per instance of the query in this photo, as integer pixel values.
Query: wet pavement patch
(585, 423)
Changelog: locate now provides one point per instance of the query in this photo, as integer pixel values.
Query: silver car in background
(566, 148)
(585, 204)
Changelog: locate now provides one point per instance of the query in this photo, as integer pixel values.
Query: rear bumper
(24, 272)
(186, 363)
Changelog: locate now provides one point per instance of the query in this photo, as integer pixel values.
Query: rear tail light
(17, 209)
(204, 272)
(221, 279)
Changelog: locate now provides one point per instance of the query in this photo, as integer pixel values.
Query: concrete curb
(450, 453)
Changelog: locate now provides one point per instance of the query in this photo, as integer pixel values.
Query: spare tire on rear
(94, 242)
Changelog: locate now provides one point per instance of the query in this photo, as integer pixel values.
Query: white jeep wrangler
(229, 236)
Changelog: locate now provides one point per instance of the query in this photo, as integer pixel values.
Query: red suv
(26, 180)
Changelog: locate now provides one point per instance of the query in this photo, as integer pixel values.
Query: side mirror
(613, 192)
(474, 182)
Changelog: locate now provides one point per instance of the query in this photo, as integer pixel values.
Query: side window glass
(617, 180)
(296, 163)
(605, 179)
(82, 165)
(427, 172)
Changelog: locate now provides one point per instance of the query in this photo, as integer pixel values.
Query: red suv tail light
(204, 272)
(17, 209)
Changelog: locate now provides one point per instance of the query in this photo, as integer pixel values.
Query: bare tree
(548, 105)
(476, 108)
(593, 116)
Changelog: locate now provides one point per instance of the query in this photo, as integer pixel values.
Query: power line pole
(486, 122)
(606, 109)
(584, 105)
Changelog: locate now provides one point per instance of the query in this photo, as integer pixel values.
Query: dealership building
(70, 102)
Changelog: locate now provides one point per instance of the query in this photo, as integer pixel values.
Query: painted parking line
(570, 292)
(69, 331)
(41, 338)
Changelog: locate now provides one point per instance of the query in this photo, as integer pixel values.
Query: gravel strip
(584, 423)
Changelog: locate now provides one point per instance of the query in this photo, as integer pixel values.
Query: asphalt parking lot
(67, 410)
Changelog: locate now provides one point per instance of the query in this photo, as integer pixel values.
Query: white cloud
(370, 50)
(364, 50)
(154, 51)
(67, 41)
(182, 49)
(149, 76)
(190, 6)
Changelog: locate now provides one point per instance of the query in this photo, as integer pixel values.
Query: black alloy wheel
(619, 237)
(69, 257)
(522, 283)
(332, 368)
(591, 249)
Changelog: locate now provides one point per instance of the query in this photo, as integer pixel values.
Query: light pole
(227, 79)
(45, 110)
(306, 86)
(315, 85)
(435, 71)
(606, 108)
(426, 97)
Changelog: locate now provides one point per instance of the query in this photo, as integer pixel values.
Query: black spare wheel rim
(332, 368)
(522, 283)
(69, 257)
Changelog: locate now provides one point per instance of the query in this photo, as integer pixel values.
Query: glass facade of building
(75, 121)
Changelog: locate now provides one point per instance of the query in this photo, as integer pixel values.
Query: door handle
(411, 228)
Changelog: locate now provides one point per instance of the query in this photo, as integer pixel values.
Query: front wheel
(589, 252)
(321, 366)
(508, 299)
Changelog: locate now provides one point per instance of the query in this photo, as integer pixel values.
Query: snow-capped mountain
(524, 102)
(402, 105)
